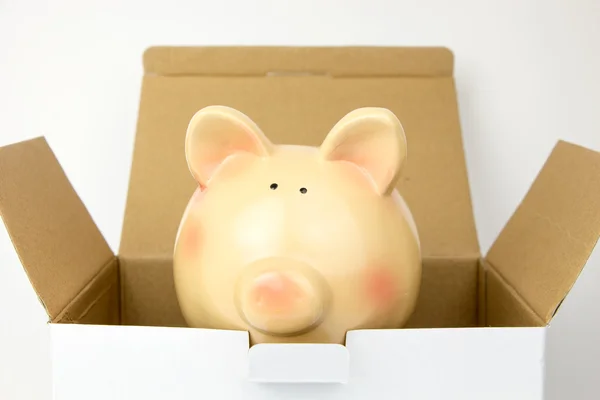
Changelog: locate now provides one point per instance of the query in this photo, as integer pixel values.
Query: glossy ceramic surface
(296, 243)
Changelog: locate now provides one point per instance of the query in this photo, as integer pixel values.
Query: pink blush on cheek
(190, 234)
(381, 287)
(190, 241)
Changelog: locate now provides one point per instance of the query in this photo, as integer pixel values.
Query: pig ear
(372, 139)
(216, 133)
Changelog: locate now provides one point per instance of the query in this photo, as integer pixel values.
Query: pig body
(296, 243)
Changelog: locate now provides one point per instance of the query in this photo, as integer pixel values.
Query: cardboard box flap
(331, 61)
(55, 237)
(546, 243)
(296, 95)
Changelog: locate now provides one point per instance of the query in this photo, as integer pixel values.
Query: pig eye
(274, 186)
(303, 190)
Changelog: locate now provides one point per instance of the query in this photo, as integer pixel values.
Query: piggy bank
(296, 243)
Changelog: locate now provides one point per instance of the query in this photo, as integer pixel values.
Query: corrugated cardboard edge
(546, 243)
(55, 237)
(349, 61)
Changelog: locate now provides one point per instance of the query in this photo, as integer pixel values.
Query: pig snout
(281, 297)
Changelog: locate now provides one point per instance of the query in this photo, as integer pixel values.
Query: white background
(526, 73)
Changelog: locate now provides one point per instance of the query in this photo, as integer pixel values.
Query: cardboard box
(480, 327)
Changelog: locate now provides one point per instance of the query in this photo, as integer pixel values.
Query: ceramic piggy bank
(295, 243)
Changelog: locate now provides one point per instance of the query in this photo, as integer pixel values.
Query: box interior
(296, 95)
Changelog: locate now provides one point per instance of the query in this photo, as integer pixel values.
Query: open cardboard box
(480, 325)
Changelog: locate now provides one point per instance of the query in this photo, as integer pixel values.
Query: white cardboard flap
(298, 363)
(456, 363)
(153, 363)
(25, 360)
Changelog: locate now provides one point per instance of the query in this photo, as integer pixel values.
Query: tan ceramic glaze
(296, 243)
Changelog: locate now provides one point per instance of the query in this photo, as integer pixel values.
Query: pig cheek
(381, 288)
(190, 235)
(190, 241)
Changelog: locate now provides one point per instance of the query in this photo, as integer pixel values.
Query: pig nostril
(274, 186)
(303, 190)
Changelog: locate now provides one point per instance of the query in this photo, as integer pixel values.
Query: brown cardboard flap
(546, 243)
(415, 83)
(334, 61)
(55, 237)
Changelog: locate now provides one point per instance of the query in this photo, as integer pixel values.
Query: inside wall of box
(455, 293)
